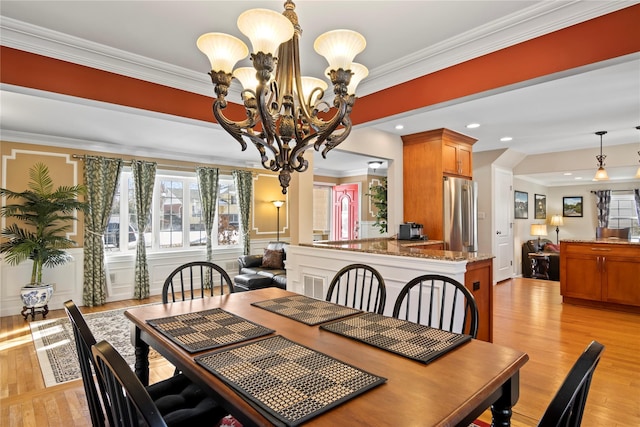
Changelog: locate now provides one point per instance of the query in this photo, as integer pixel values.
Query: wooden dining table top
(442, 392)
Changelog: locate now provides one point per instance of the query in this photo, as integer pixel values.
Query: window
(622, 213)
(176, 219)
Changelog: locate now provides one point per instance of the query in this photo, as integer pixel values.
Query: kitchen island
(310, 268)
(601, 273)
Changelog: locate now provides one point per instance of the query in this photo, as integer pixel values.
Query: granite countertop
(391, 246)
(608, 240)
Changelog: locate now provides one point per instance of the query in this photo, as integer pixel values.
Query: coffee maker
(410, 231)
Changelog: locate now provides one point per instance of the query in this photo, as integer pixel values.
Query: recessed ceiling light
(567, 174)
(506, 139)
(473, 125)
(399, 127)
(578, 177)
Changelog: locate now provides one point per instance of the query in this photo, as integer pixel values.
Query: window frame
(153, 238)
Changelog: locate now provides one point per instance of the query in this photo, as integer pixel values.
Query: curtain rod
(160, 165)
(617, 191)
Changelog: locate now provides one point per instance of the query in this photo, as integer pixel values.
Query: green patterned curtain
(208, 186)
(101, 177)
(144, 175)
(244, 188)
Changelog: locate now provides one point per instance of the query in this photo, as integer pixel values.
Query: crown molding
(539, 19)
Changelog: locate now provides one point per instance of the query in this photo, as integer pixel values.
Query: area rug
(56, 348)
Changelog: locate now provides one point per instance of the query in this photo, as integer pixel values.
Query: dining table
(451, 389)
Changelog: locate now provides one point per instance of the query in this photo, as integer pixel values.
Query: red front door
(345, 212)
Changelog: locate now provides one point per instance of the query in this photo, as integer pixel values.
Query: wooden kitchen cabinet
(479, 280)
(427, 158)
(600, 273)
(457, 159)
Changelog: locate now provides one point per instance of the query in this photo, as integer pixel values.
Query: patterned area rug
(56, 348)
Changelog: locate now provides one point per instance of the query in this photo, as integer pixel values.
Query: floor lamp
(278, 204)
(557, 221)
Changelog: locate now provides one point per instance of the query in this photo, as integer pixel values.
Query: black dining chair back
(128, 398)
(197, 279)
(179, 400)
(440, 302)
(567, 407)
(358, 286)
(84, 340)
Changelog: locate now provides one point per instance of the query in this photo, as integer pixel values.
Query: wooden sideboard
(601, 273)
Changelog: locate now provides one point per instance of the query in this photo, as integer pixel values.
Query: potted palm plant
(41, 216)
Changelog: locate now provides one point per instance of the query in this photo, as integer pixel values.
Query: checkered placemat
(208, 329)
(418, 342)
(288, 381)
(307, 310)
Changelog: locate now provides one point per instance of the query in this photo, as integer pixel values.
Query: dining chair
(620, 233)
(358, 286)
(196, 279)
(180, 401)
(440, 302)
(567, 407)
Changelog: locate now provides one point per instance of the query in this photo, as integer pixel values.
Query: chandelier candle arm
(276, 97)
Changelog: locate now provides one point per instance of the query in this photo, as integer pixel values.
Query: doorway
(345, 212)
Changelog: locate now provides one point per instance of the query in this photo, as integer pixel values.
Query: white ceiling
(155, 41)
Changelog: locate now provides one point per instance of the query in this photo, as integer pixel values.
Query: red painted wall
(599, 39)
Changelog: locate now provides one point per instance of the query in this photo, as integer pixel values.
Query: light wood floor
(528, 315)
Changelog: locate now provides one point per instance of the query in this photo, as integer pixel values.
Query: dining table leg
(501, 410)
(141, 366)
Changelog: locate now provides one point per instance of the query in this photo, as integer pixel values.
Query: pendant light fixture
(638, 171)
(601, 173)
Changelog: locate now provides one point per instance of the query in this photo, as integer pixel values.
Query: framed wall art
(572, 206)
(540, 206)
(521, 205)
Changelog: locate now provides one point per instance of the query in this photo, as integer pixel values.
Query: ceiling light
(399, 127)
(601, 173)
(375, 164)
(567, 174)
(506, 139)
(473, 125)
(578, 177)
(281, 105)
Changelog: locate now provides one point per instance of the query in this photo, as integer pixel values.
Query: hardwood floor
(528, 315)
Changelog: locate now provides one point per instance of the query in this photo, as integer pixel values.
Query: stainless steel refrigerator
(460, 215)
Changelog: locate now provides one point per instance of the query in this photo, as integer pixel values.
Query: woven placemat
(417, 342)
(307, 310)
(288, 381)
(208, 329)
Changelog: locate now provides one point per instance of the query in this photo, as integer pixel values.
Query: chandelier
(601, 173)
(282, 107)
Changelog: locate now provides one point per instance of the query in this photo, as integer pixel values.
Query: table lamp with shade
(539, 230)
(557, 221)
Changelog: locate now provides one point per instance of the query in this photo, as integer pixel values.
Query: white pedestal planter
(36, 300)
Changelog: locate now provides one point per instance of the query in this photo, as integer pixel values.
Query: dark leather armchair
(532, 246)
(260, 265)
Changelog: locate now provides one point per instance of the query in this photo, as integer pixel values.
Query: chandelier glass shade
(281, 105)
(601, 173)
